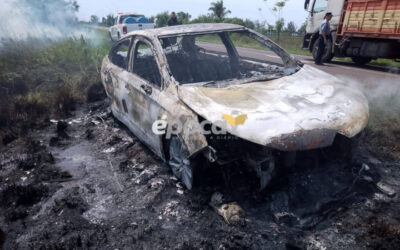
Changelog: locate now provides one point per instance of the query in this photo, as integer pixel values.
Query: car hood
(302, 109)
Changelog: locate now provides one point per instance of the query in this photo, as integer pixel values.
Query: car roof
(198, 28)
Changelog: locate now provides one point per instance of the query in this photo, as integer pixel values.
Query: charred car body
(199, 75)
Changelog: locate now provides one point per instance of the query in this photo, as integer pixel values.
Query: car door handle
(147, 89)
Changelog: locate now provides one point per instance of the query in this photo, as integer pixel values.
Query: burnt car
(221, 93)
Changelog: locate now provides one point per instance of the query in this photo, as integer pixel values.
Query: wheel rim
(180, 163)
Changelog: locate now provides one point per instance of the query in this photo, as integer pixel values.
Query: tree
(280, 23)
(162, 19)
(271, 28)
(218, 9)
(152, 19)
(94, 19)
(279, 26)
(302, 29)
(183, 17)
(249, 24)
(291, 27)
(205, 19)
(109, 20)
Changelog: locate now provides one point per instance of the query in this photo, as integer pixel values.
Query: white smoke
(38, 19)
(383, 94)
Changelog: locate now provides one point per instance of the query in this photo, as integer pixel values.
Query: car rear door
(144, 87)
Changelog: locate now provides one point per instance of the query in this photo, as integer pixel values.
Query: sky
(240, 8)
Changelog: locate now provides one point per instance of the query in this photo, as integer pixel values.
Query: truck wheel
(182, 167)
(361, 60)
(327, 56)
(112, 40)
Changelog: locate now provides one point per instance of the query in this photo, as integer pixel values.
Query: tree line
(217, 14)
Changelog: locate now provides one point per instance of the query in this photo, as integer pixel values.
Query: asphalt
(368, 76)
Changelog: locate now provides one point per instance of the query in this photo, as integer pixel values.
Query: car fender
(175, 111)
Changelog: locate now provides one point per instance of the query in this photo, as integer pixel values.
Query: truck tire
(112, 40)
(327, 56)
(361, 60)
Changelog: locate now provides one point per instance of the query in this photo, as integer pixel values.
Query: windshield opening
(229, 57)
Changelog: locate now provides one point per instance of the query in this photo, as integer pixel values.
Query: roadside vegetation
(40, 80)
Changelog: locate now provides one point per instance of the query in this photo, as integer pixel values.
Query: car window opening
(220, 57)
(145, 65)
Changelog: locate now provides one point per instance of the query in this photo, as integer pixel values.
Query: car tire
(361, 60)
(182, 167)
(328, 55)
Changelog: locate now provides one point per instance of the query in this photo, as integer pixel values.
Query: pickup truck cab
(127, 22)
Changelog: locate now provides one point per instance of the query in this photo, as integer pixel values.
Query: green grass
(42, 79)
(291, 44)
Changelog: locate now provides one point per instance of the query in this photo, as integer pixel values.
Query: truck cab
(317, 10)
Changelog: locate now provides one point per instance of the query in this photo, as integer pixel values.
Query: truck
(127, 22)
(361, 29)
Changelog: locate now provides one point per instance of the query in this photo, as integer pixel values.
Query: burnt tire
(361, 60)
(327, 55)
(179, 162)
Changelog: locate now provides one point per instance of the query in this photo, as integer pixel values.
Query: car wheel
(182, 167)
(361, 60)
(327, 55)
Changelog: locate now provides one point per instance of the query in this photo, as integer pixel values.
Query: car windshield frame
(290, 64)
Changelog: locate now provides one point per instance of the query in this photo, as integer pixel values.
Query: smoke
(38, 19)
(383, 94)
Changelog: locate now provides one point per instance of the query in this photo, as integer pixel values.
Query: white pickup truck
(127, 22)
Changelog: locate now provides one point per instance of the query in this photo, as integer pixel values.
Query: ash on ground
(86, 182)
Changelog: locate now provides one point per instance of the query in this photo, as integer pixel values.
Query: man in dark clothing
(324, 35)
(173, 20)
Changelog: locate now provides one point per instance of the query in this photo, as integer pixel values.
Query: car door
(143, 86)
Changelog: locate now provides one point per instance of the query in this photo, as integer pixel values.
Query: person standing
(324, 35)
(173, 20)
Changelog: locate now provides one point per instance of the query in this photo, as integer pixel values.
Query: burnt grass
(73, 177)
(86, 182)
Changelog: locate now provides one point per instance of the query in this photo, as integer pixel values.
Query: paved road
(369, 76)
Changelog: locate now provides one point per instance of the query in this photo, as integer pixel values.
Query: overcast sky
(240, 8)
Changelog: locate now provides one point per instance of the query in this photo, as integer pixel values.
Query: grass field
(42, 79)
